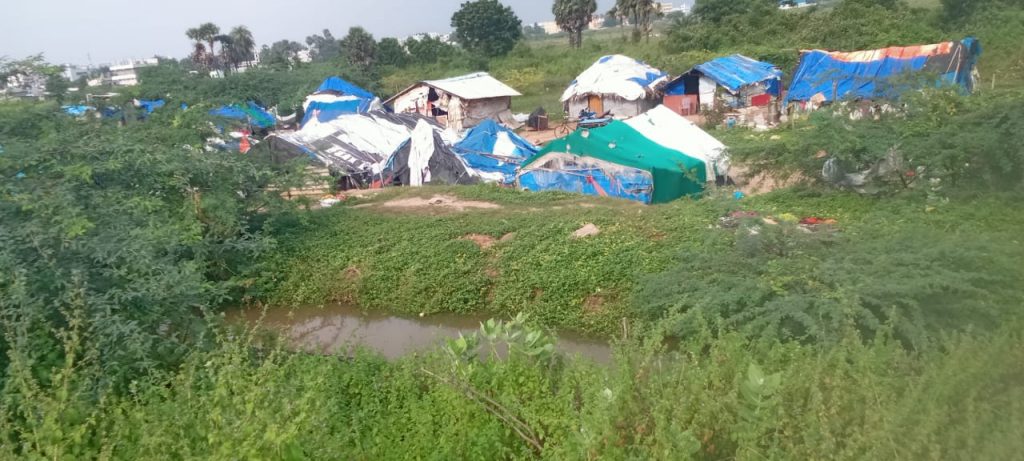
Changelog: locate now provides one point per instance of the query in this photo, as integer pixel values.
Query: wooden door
(596, 104)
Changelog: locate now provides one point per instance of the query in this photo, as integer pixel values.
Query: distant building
(666, 7)
(73, 72)
(127, 73)
(550, 27)
(787, 4)
(25, 86)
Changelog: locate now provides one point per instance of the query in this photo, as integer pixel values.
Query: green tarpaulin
(674, 173)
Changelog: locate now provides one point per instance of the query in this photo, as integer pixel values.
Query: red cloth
(761, 100)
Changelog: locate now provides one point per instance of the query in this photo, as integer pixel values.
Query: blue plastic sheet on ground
(150, 105)
(251, 112)
(76, 110)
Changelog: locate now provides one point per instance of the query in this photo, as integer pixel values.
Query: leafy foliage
(135, 230)
(487, 27)
(935, 135)
(707, 398)
(573, 16)
(359, 48)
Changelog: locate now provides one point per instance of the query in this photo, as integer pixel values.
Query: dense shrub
(130, 231)
(707, 399)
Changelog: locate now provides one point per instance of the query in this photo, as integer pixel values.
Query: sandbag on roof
(619, 75)
(426, 159)
(617, 153)
(335, 97)
(674, 131)
(832, 75)
(494, 151)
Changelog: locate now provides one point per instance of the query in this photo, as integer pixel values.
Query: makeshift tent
(425, 159)
(250, 113)
(355, 146)
(494, 151)
(825, 76)
(459, 102)
(149, 105)
(742, 79)
(616, 83)
(616, 161)
(336, 97)
(673, 131)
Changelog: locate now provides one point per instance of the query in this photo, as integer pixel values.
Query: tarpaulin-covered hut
(738, 80)
(352, 146)
(614, 161)
(337, 96)
(827, 76)
(663, 126)
(494, 151)
(426, 159)
(619, 84)
(459, 102)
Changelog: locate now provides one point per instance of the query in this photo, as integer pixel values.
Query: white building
(550, 27)
(73, 72)
(127, 73)
(666, 7)
(26, 85)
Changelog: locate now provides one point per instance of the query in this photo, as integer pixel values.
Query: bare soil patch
(446, 202)
(593, 304)
(482, 241)
(763, 183)
(588, 230)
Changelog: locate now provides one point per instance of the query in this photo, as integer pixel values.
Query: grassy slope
(418, 261)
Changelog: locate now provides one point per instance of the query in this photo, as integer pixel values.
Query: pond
(337, 328)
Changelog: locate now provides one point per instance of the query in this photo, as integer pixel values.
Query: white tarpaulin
(675, 132)
(421, 148)
(618, 75)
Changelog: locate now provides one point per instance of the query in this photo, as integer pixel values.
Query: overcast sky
(73, 31)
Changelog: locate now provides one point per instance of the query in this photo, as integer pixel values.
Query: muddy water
(338, 328)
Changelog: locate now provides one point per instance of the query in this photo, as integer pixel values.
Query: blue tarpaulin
(76, 111)
(491, 148)
(629, 183)
(734, 72)
(336, 97)
(342, 86)
(150, 105)
(882, 73)
(251, 112)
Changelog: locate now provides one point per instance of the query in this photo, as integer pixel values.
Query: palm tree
(243, 45)
(206, 32)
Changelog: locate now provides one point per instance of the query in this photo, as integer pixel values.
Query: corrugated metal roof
(474, 86)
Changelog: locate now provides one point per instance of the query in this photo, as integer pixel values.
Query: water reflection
(337, 328)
